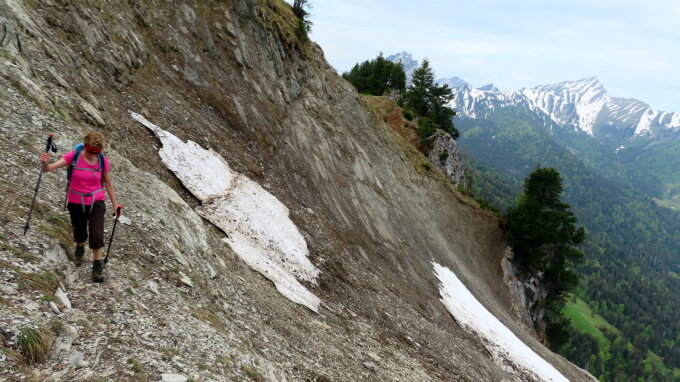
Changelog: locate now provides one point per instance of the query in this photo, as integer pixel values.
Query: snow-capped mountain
(580, 105)
(489, 87)
(407, 62)
(453, 82)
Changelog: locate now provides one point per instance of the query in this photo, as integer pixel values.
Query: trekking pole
(50, 146)
(113, 231)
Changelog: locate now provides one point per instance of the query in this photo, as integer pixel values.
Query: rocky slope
(179, 302)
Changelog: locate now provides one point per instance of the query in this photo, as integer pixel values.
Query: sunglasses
(93, 150)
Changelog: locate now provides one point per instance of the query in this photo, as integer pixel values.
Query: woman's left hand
(118, 211)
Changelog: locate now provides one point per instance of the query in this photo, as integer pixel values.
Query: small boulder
(54, 307)
(211, 272)
(61, 299)
(173, 378)
(371, 366)
(153, 286)
(92, 112)
(186, 280)
(373, 356)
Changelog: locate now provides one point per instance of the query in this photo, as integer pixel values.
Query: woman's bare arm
(109, 190)
(47, 167)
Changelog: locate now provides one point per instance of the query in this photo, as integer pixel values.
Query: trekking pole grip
(50, 138)
(50, 144)
(118, 209)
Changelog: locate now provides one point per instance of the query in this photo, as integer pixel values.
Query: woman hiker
(86, 198)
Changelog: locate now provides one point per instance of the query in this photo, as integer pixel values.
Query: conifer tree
(543, 235)
(430, 102)
(376, 76)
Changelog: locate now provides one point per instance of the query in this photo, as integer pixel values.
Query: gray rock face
(445, 156)
(528, 296)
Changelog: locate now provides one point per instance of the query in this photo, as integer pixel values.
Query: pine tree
(417, 95)
(542, 227)
(543, 235)
(430, 102)
(376, 76)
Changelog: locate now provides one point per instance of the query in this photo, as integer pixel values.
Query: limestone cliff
(234, 78)
(445, 156)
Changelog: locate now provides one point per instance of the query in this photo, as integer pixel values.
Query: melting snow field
(500, 341)
(255, 221)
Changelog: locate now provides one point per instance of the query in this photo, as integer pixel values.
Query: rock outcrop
(445, 156)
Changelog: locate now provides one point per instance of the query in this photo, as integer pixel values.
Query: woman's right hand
(45, 158)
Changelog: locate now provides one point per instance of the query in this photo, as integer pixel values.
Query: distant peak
(400, 57)
(453, 82)
(489, 87)
(590, 82)
(407, 62)
(582, 86)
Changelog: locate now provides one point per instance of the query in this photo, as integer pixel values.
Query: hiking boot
(98, 271)
(78, 254)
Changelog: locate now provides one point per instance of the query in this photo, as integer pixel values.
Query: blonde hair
(94, 140)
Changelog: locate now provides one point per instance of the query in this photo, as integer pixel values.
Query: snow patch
(508, 350)
(645, 123)
(587, 97)
(257, 224)
(675, 121)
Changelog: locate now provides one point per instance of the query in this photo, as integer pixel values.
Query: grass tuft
(252, 373)
(34, 344)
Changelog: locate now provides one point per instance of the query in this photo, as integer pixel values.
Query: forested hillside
(630, 275)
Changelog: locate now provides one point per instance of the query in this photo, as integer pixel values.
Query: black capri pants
(88, 220)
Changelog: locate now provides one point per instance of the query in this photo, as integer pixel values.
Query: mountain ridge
(582, 105)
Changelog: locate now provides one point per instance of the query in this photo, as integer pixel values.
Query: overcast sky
(633, 47)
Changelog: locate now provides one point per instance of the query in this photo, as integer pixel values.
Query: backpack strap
(69, 171)
(100, 158)
(101, 167)
(69, 168)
